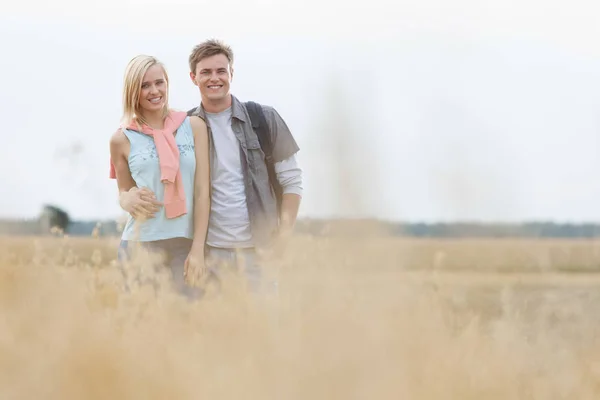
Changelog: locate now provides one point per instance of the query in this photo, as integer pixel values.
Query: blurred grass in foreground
(377, 318)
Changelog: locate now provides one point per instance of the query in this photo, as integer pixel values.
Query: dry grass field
(372, 318)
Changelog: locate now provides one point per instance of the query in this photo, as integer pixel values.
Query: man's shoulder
(193, 111)
(197, 111)
(283, 142)
(266, 108)
(249, 103)
(270, 112)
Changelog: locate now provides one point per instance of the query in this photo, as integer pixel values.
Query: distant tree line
(526, 229)
(55, 221)
(451, 229)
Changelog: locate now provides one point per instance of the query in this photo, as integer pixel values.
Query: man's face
(213, 76)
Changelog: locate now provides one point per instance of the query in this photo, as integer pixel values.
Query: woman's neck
(155, 120)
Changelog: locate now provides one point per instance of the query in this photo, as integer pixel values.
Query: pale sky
(412, 110)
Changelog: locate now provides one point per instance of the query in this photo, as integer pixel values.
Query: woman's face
(153, 94)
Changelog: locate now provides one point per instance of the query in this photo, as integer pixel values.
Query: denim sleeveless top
(145, 171)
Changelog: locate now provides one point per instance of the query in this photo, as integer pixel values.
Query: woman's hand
(195, 271)
(141, 203)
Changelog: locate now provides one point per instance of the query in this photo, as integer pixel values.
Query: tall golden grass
(371, 318)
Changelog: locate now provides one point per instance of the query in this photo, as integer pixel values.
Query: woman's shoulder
(197, 123)
(118, 138)
(192, 124)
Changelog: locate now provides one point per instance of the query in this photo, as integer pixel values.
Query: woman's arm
(201, 185)
(137, 202)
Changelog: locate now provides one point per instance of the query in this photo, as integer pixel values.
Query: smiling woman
(159, 158)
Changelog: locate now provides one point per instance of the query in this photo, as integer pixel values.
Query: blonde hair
(132, 87)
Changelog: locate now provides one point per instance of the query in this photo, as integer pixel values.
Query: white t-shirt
(229, 222)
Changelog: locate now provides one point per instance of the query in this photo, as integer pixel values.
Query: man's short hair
(209, 48)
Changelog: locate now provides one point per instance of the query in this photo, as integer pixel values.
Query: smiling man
(256, 183)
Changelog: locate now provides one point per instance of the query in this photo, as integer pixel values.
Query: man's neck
(218, 106)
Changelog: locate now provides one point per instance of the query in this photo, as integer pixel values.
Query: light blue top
(145, 171)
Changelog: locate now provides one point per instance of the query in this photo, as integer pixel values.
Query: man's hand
(141, 203)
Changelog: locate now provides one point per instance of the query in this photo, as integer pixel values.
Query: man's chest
(225, 147)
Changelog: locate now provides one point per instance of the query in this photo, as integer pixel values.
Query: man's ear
(193, 78)
(231, 74)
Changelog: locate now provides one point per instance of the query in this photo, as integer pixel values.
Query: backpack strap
(261, 128)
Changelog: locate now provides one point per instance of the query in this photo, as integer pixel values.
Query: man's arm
(287, 169)
(289, 176)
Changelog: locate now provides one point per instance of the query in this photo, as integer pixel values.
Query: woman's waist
(159, 226)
